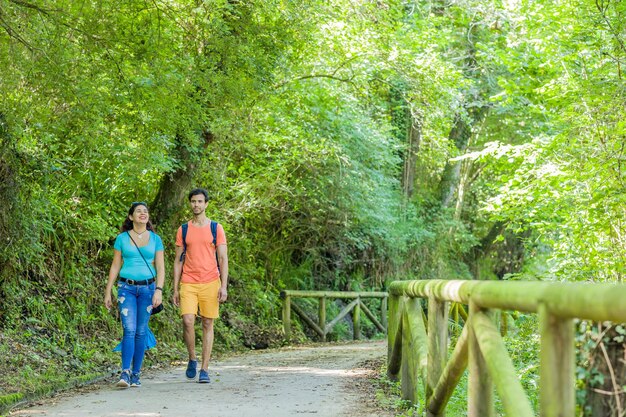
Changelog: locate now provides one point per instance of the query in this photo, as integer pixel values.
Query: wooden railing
(418, 346)
(321, 327)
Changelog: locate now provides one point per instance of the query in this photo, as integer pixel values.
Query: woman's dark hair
(128, 223)
(197, 191)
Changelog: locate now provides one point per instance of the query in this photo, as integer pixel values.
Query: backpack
(185, 227)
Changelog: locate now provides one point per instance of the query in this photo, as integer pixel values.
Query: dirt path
(322, 381)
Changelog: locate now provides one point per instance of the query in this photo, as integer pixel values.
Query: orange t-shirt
(200, 264)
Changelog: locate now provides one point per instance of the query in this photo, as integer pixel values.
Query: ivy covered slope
(344, 144)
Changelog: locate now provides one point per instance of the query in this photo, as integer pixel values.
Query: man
(202, 281)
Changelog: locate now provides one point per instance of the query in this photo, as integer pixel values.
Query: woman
(138, 250)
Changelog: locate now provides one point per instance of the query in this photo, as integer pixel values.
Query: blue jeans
(135, 306)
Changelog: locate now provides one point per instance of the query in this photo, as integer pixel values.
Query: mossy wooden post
(287, 316)
(450, 376)
(504, 323)
(322, 316)
(437, 344)
(356, 321)
(394, 338)
(500, 366)
(480, 385)
(454, 312)
(414, 347)
(556, 365)
(383, 313)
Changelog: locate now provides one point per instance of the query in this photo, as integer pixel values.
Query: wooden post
(394, 339)
(414, 349)
(450, 376)
(462, 312)
(480, 385)
(556, 365)
(356, 320)
(287, 317)
(345, 311)
(308, 320)
(454, 312)
(437, 344)
(372, 317)
(322, 316)
(500, 366)
(383, 313)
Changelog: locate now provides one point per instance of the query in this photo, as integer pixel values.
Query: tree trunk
(414, 139)
(460, 134)
(462, 129)
(175, 185)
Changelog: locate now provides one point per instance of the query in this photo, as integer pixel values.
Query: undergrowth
(522, 342)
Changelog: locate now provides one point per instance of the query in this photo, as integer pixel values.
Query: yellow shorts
(204, 296)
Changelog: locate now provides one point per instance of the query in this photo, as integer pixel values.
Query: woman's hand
(157, 298)
(107, 300)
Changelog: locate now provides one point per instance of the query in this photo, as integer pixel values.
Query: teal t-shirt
(133, 266)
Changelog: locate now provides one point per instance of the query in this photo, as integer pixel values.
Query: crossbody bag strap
(142, 257)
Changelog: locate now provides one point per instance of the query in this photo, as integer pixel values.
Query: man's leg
(188, 310)
(189, 335)
(207, 342)
(209, 310)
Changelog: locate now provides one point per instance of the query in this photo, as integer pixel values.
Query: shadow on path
(318, 381)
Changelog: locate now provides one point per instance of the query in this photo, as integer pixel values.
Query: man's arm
(178, 270)
(222, 256)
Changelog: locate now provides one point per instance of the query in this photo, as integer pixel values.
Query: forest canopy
(344, 144)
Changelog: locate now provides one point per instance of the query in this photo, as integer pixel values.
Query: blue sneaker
(204, 377)
(191, 369)
(134, 380)
(124, 381)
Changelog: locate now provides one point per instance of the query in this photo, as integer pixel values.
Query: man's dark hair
(197, 191)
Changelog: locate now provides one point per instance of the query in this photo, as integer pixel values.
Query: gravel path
(323, 381)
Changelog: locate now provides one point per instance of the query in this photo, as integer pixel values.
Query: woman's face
(140, 214)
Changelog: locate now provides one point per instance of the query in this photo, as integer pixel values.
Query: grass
(35, 365)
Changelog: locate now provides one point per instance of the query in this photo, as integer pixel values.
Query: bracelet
(159, 288)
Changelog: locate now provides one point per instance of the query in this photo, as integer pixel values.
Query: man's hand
(222, 294)
(176, 298)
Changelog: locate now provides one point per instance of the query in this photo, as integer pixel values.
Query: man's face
(198, 204)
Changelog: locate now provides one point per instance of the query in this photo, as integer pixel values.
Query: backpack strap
(184, 226)
(214, 233)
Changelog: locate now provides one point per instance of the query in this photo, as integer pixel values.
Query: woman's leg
(127, 303)
(144, 310)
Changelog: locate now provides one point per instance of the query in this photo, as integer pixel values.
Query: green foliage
(297, 116)
(522, 343)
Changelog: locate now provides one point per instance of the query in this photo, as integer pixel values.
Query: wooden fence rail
(321, 327)
(417, 351)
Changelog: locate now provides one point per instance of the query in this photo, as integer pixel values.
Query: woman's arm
(159, 263)
(116, 265)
